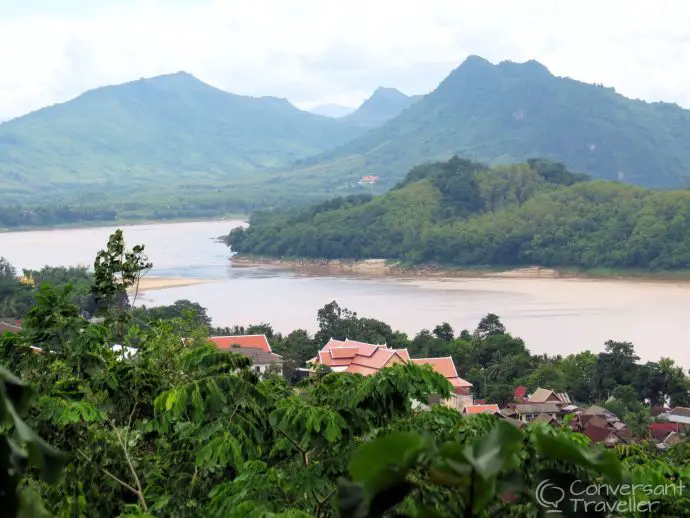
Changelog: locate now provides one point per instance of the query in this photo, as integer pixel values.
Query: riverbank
(161, 283)
(383, 267)
(122, 222)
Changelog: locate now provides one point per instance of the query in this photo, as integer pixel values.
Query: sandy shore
(161, 283)
(383, 267)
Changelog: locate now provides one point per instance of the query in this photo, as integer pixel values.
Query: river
(554, 316)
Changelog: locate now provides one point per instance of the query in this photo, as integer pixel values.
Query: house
(671, 440)
(255, 347)
(546, 419)
(10, 325)
(604, 435)
(527, 412)
(232, 342)
(659, 431)
(261, 360)
(366, 359)
(549, 396)
(481, 409)
(679, 415)
(368, 180)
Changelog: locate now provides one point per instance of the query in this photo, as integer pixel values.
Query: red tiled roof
(361, 369)
(597, 433)
(660, 431)
(227, 342)
(481, 409)
(362, 358)
(344, 352)
(520, 391)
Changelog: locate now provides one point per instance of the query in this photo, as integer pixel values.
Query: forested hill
(461, 212)
(167, 131)
(509, 112)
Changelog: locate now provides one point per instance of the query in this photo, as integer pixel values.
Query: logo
(549, 496)
(613, 499)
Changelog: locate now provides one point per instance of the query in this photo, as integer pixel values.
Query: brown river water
(554, 316)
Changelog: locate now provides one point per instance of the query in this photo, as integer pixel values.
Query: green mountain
(509, 112)
(383, 105)
(463, 213)
(155, 133)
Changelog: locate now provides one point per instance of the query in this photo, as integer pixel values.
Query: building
(679, 415)
(255, 347)
(527, 412)
(549, 396)
(481, 409)
(366, 359)
(659, 431)
(232, 342)
(368, 180)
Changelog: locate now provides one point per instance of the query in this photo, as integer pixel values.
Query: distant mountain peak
(384, 104)
(531, 66)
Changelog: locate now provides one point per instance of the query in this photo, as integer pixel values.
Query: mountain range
(173, 131)
(510, 112)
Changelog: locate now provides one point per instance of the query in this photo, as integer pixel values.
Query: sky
(316, 52)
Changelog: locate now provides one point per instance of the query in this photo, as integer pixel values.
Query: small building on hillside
(366, 359)
(231, 342)
(481, 409)
(542, 395)
(659, 431)
(678, 415)
(527, 412)
(605, 435)
(368, 180)
(255, 347)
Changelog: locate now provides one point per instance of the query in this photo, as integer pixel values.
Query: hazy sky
(326, 51)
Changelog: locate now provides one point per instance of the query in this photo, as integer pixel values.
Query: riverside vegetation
(461, 213)
(166, 427)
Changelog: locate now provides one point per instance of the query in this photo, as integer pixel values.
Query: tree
(7, 271)
(490, 325)
(116, 270)
(444, 332)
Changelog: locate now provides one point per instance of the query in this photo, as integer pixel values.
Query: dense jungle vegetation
(173, 428)
(463, 213)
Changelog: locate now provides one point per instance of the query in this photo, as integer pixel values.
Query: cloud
(320, 51)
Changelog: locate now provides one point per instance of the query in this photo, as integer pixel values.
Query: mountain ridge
(384, 104)
(161, 129)
(512, 111)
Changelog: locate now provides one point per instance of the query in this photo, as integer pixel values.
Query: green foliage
(21, 448)
(179, 428)
(460, 213)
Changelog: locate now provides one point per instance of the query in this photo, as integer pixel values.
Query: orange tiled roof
(366, 359)
(256, 341)
(481, 409)
(344, 352)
